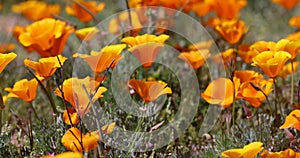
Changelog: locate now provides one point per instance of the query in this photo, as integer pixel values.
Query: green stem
(34, 111)
(46, 92)
(292, 83)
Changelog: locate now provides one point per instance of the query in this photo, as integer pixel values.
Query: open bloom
(45, 67)
(36, 10)
(74, 118)
(145, 47)
(271, 62)
(290, 4)
(292, 47)
(47, 37)
(228, 9)
(86, 34)
(99, 61)
(66, 155)
(195, 58)
(149, 90)
(232, 31)
(82, 14)
(288, 153)
(23, 89)
(220, 91)
(75, 94)
(249, 151)
(292, 120)
(5, 59)
(71, 139)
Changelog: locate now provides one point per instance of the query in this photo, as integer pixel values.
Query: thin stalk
(45, 91)
(30, 133)
(292, 83)
(34, 111)
(135, 136)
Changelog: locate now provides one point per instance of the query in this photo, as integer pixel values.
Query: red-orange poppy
(145, 47)
(99, 61)
(195, 58)
(295, 21)
(149, 90)
(75, 93)
(5, 59)
(47, 37)
(81, 13)
(36, 10)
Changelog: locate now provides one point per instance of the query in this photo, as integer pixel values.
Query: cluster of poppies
(48, 34)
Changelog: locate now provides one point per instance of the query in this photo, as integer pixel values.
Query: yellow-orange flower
(36, 10)
(86, 34)
(75, 94)
(23, 89)
(220, 91)
(290, 4)
(73, 116)
(261, 46)
(245, 53)
(292, 120)
(45, 67)
(248, 151)
(145, 47)
(7, 47)
(5, 59)
(149, 90)
(271, 62)
(224, 57)
(99, 61)
(47, 37)
(288, 153)
(82, 14)
(287, 69)
(228, 9)
(66, 155)
(89, 141)
(295, 21)
(232, 31)
(195, 58)
(294, 36)
(292, 47)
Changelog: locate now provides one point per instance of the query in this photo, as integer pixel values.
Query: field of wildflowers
(150, 78)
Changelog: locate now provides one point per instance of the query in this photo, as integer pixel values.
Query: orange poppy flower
(36, 10)
(292, 47)
(47, 37)
(195, 58)
(1, 6)
(249, 151)
(252, 95)
(75, 93)
(81, 13)
(73, 116)
(294, 36)
(45, 67)
(290, 4)
(23, 89)
(261, 46)
(89, 141)
(224, 57)
(145, 47)
(5, 59)
(292, 120)
(7, 47)
(65, 155)
(202, 8)
(232, 31)
(202, 45)
(86, 34)
(149, 90)
(271, 62)
(228, 9)
(287, 69)
(247, 75)
(99, 61)
(288, 153)
(295, 21)
(245, 53)
(220, 91)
